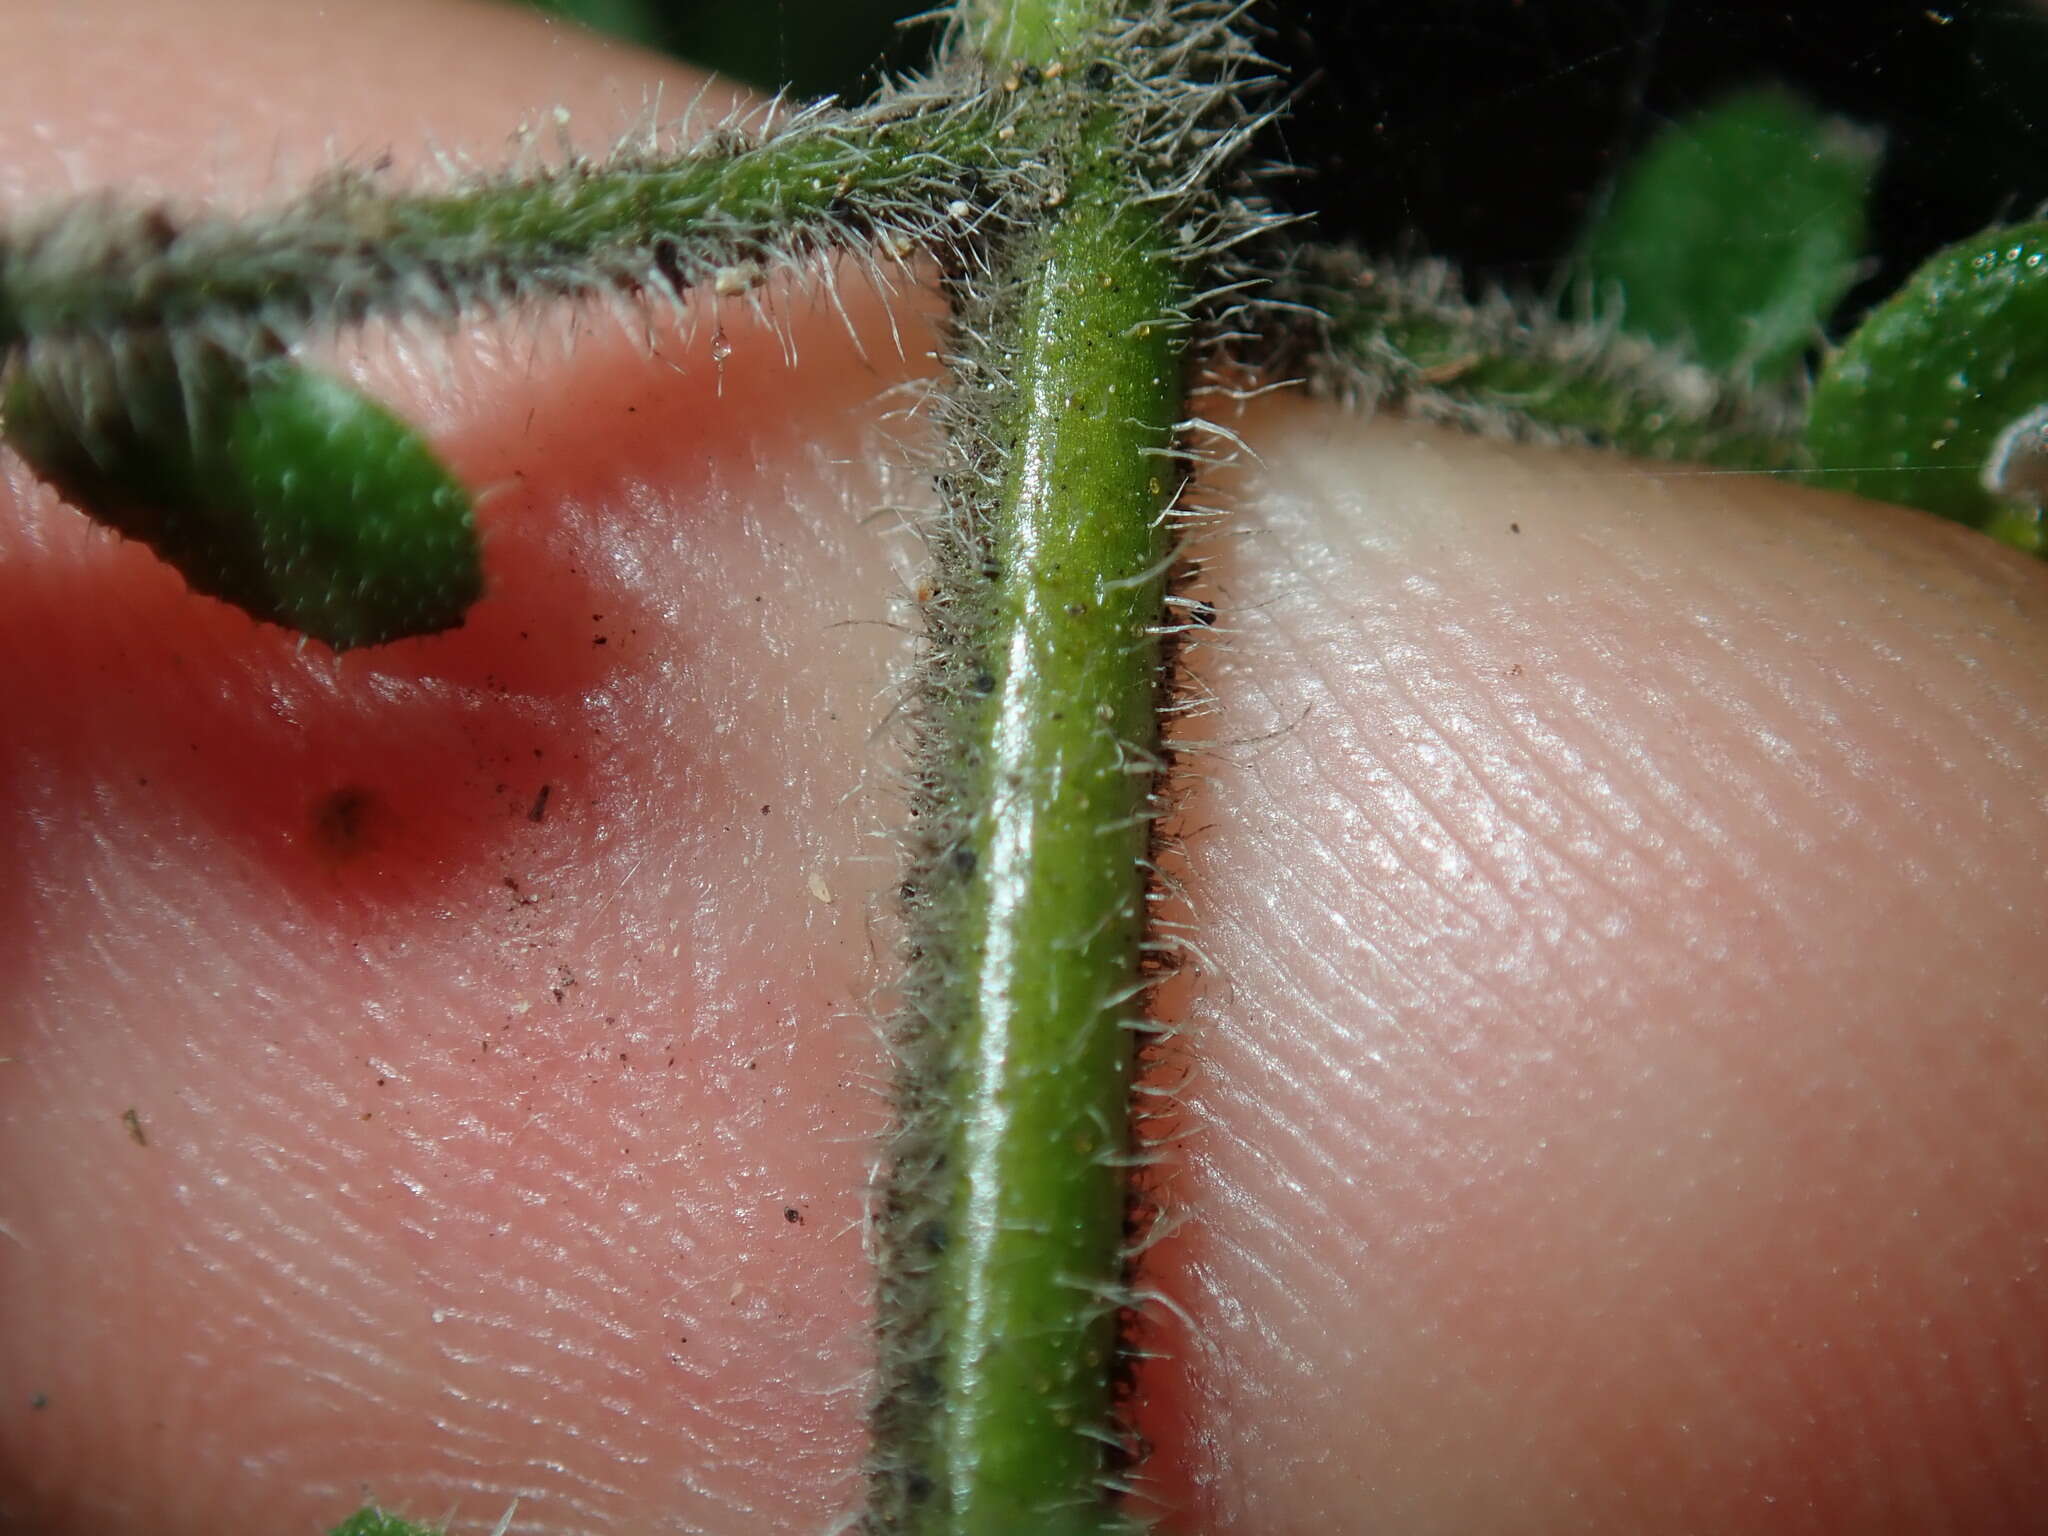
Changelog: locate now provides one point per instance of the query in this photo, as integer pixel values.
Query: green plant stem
(1002, 1272)
(1408, 337)
(888, 176)
(1064, 759)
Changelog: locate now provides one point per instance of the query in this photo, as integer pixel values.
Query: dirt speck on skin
(133, 1121)
(539, 812)
(820, 891)
(344, 821)
(791, 1214)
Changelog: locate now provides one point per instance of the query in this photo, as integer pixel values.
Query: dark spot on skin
(791, 1213)
(540, 806)
(133, 1121)
(764, 810)
(601, 640)
(963, 860)
(1514, 527)
(343, 820)
(39, 1401)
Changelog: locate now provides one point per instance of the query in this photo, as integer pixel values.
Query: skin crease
(1613, 1097)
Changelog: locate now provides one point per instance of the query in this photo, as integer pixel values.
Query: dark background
(1486, 129)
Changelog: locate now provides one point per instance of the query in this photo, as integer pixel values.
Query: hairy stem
(898, 175)
(1061, 765)
(1002, 1223)
(1408, 336)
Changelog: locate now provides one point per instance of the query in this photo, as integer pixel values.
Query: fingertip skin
(1622, 1063)
(462, 1009)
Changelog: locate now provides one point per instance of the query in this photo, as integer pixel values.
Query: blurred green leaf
(1736, 234)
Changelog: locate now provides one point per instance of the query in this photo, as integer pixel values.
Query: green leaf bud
(282, 491)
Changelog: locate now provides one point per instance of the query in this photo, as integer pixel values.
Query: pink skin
(1617, 1088)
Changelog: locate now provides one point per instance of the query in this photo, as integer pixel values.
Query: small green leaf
(374, 1522)
(284, 492)
(1735, 234)
(1938, 399)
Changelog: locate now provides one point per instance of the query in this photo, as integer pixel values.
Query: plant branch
(1407, 337)
(1001, 1226)
(891, 177)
